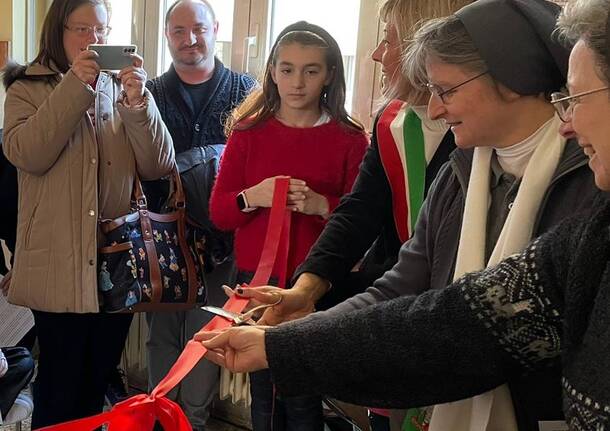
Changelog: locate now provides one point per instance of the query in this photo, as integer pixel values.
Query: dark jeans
(28, 339)
(277, 413)
(19, 374)
(78, 352)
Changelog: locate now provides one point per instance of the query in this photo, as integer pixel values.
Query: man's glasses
(82, 30)
(445, 95)
(564, 104)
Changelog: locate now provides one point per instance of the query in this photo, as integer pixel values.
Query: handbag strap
(176, 194)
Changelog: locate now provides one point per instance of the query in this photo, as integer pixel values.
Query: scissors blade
(234, 318)
(229, 315)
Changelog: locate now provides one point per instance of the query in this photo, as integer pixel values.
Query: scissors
(239, 319)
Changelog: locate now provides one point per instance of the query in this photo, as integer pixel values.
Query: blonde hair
(408, 16)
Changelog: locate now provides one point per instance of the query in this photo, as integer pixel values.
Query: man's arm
(441, 346)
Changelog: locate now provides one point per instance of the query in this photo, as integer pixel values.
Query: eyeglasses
(82, 30)
(445, 95)
(564, 104)
(181, 32)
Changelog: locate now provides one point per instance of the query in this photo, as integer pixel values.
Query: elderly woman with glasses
(78, 137)
(490, 69)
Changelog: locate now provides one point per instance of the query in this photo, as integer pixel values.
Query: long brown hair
(51, 51)
(264, 102)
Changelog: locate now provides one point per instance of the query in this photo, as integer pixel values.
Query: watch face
(241, 201)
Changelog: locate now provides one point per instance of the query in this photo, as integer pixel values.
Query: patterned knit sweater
(548, 304)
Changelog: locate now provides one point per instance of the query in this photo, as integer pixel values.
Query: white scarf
(493, 410)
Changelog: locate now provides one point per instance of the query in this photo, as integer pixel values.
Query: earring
(325, 95)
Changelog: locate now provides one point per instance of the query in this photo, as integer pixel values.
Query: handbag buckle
(141, 203)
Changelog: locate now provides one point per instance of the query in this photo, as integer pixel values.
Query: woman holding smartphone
(78, 137)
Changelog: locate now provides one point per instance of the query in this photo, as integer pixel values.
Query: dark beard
(191, 61)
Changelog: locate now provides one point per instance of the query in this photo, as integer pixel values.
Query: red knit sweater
(326, 157)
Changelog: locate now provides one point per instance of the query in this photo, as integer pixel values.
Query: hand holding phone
(134, 79)
(129, 64)
(85, 67)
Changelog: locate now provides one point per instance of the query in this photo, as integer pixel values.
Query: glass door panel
(121, 22)
(224, 14)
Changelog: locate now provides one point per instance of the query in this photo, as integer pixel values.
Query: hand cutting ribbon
(140, 412)
(239, 319)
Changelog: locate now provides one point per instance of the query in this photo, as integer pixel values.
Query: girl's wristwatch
(242, 203)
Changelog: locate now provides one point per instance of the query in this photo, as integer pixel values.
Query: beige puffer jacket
(72, 171)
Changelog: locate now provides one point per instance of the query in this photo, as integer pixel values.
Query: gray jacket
(427, 260)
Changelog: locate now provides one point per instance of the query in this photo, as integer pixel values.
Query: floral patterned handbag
(151, 262)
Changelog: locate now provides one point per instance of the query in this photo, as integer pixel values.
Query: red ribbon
(140, 412)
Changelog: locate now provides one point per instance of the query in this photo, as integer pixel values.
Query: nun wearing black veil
(522, 328)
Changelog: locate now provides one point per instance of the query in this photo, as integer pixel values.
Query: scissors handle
(243, 318)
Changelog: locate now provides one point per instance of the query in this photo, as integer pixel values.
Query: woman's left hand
(133, 79)
(310, 203)
(239, 349)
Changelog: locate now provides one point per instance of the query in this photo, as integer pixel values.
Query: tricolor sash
(402, 151)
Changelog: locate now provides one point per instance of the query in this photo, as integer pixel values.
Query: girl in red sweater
(296, 126)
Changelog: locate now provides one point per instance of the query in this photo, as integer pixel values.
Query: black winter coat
(363, 223)
(199, 141)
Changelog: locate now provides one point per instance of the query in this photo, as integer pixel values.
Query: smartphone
(113, 57)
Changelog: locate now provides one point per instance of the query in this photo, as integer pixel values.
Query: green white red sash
(402, 151)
